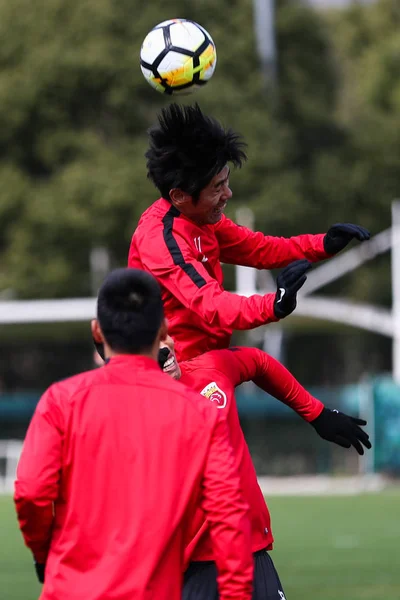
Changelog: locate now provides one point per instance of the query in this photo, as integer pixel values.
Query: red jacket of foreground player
(114, 464)
(185, 258)
(215, 375)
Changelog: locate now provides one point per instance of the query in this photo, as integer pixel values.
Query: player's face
(171, 365)
(211, 203)
(213, 199)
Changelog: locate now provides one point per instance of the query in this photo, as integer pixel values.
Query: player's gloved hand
(288, 283)
(163, 354)
(335, 426)
(339, 235)
(39, 568)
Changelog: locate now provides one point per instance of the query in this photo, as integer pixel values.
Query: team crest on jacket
(215, 394)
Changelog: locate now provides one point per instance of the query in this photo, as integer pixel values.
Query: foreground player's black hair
(187, 149)
(130, 310)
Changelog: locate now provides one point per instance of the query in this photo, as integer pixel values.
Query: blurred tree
(367, 49)
(74, 110)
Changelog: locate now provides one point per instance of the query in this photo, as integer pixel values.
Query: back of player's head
(130, 310)
(187, 149)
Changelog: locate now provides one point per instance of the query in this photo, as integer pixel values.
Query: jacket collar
(134, 360)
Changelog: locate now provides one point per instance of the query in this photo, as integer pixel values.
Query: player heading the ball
(183, 237)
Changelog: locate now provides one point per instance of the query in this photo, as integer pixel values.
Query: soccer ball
(178, 56)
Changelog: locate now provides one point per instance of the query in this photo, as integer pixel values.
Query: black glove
(39, 568)
(163, 354)
(341, 429)
(288, 282)
(339, 235)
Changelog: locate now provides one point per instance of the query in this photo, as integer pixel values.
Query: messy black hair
(130, 310)
(187, 149)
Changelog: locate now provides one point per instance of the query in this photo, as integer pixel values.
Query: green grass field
(327, 548)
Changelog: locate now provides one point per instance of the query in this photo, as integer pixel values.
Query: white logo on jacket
(197, 245)
(282, 292)
(215, 394)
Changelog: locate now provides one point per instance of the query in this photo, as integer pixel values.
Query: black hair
(130, 310)
(187, 149)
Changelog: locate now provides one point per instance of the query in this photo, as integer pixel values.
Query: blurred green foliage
(74, 109)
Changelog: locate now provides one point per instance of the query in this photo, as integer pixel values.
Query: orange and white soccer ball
(178, 56)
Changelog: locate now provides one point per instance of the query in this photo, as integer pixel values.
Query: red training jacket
(185, 258)
(114, 465)
(215, 375)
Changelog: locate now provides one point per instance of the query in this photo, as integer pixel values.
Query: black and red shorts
(200, 581)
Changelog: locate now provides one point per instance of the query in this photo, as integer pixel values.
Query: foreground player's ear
(179, 198)
(97, 334)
